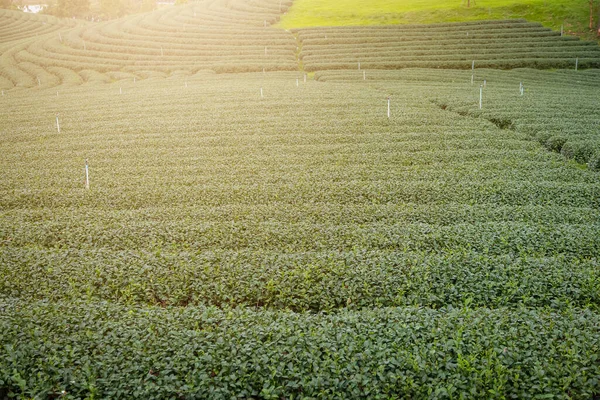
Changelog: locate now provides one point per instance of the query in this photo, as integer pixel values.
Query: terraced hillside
(214, 35)
(222, 36)
(491, 44)
(16, 25)
(451, 257)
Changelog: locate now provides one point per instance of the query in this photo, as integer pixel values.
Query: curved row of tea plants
(209, 36)
(16, 25)
(558, 109)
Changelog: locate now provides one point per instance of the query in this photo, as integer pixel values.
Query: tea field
(262, 218)
(298, 245)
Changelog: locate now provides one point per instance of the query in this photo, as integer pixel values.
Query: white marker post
(120, 90)
(480, 96)
(359, 65)
(261, 93)
(297, 82)
(364, 75)
(265, 23)
(185, 83)
(473, 66)
(484, 82)
(3, 93)
(59, 37)
(57, 124)
(472, 78)
(56, 94)
(388, 109)
(87, 175)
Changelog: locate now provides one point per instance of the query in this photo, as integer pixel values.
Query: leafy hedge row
(308, 281)
(100, 350)
(536, 63)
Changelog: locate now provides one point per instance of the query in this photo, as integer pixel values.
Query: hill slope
(574, 14)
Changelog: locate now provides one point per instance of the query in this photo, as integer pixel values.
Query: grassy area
(305, 13)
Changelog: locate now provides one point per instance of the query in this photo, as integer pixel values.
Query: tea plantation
(277, 235)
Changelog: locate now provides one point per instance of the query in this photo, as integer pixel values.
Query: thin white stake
(297, 82)
(134, 79)
(120, 90)
(473, 66)
(3, 93)
(56, 94)
(185, 83)
(472, 77)
(57, 125)
(484, 82)
(261, 93)
(364, 75)
(480, 96)
(265, 23)
(576, 63)
(388, 109)
(87, 175)
(59, 37)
